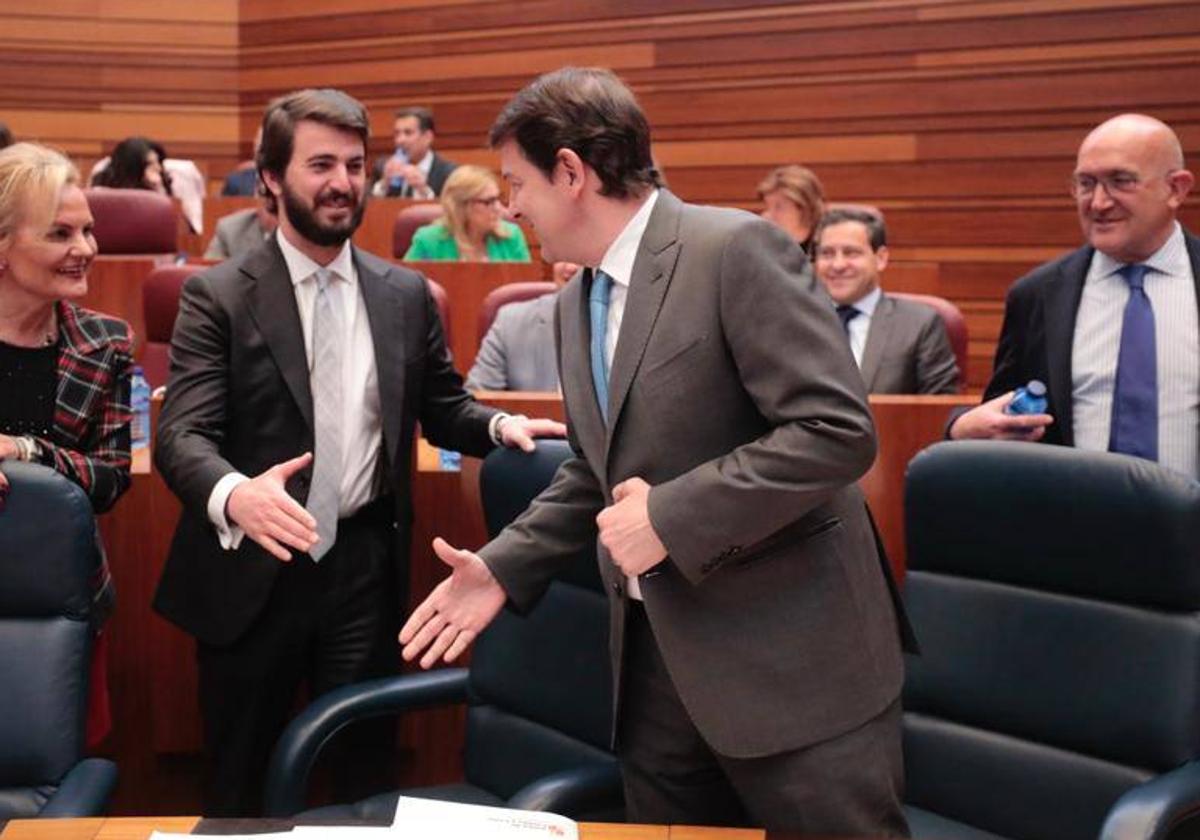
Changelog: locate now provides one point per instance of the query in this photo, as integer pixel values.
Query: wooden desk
(139, 828)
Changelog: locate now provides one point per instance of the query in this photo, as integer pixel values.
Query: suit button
(395, 526)
(616, 587)
(737, 549)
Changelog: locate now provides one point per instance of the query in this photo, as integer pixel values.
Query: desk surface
(139, 828)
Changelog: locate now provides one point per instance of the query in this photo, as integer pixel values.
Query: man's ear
(273, 184)
(571, 169)
(881, 257)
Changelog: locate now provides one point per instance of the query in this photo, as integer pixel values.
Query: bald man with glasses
(1112, 329)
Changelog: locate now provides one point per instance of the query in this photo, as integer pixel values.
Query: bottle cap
(1036, 388)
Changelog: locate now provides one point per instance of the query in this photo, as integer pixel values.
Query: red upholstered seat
(160, 305)
(134, 221)
(956, 328)
(407, 222)
(443, 304)
(509, 293)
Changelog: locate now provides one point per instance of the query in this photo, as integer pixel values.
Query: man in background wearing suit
(415, 170)
(754, 634)
(1112, 329)
(900, 346)
(298, 373)
(240, 232)
(517, 354)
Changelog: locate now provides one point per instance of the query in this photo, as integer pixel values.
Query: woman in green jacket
(471, 228)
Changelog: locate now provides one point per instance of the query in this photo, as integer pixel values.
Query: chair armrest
(1151, 811)
(575, 793)
(84, 791)
(307, 734)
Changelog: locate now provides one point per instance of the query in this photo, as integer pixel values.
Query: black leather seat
(1056, 596)
(48, 556)
(538, 692)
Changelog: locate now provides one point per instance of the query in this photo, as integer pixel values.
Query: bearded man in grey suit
(901, 346)
(755, 635)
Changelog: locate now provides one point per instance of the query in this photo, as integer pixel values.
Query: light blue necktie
(1135, 393)
(324, 493)
(598, 309)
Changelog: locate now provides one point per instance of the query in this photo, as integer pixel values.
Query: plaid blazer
(89, 443)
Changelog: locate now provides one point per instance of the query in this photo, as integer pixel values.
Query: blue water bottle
(1029, 400)
(139, 400)
(396, 183)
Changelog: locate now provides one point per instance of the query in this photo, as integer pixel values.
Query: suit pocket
(666, 364)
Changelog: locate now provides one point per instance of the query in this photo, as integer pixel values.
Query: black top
(28, 376)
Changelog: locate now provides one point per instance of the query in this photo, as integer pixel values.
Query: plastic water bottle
(449, 460)
(139, 399)
(396, 182)
(1029, 400)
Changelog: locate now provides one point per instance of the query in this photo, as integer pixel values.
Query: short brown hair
(589, 111)
(873, 222)
(424, 116)
(327, 106)
(800, 185)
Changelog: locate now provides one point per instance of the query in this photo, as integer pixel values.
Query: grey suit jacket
(517, 353)
(734, 395)
(239, 399)
(907, 351)
(235, 234)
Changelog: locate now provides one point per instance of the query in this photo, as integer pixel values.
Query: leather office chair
(538, 691)
(506, 294)
(956, 327)
(160, 306)
(47, 542)
(407, 221)
(133, 221)
(1056, 597)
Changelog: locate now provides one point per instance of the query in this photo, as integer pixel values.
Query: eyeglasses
(494, 201)
(1116, 183)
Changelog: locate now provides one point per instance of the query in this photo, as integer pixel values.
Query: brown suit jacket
(734, 394)
(907, 351)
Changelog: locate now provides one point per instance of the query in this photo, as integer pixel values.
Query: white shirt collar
(301, 267)
(618, 259)
(1170, 258)
(867, 303)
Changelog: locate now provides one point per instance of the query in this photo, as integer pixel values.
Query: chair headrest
(134, 221)
(160, 298)
(1094, 524)
(47, 543)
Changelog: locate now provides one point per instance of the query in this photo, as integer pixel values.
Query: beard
(304, 218)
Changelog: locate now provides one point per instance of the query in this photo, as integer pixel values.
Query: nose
(339, 177)
(1100, 198)
(85, 245)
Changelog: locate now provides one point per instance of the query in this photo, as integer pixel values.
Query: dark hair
(589, 111)
(127, 165)
(876, 230)
(424, 116)
(6, 135)
(322, 105)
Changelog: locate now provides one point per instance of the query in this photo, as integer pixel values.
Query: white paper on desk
(341, 832)
(274, 835)
(430, 819)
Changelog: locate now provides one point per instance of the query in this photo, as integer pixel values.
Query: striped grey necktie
(326, 385)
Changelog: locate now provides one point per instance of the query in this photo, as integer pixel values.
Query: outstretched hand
(263, 509)
(457, 610)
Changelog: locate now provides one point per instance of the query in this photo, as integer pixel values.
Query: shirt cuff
(229, 534)
(494, 426)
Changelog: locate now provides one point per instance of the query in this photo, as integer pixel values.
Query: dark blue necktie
(598, 309)
(1135, 393)
(847, 313)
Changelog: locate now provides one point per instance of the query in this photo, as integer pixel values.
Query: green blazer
(434, 242)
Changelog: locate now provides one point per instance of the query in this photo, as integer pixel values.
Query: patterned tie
(1135, 394)
(326, 386)
(598, 309)
(847, 313)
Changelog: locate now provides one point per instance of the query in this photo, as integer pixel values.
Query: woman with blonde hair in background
(472, 225)
(795, 202)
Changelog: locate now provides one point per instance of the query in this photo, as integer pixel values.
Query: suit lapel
(1062, 305)
(273, 307)
(385, 315)
(1193, 251)
(652, 271)
(878, 334)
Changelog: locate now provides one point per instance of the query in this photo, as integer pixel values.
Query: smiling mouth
(76, 272)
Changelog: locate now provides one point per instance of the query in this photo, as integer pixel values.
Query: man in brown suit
(755, 638)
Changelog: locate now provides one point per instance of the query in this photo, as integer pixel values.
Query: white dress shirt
(618, 264)
(361, 416)
(858, 326)
(1172, 291)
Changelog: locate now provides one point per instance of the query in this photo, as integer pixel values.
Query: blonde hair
(799, 185)
(465, 183)
(32, 177)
